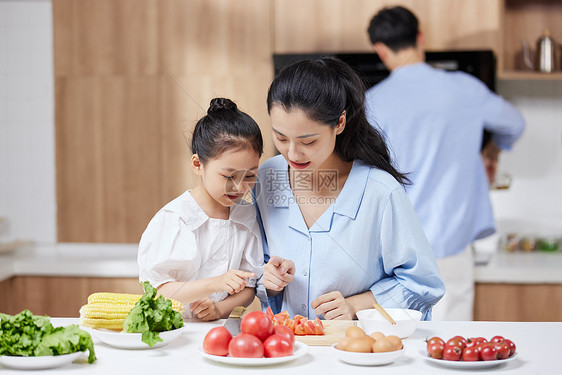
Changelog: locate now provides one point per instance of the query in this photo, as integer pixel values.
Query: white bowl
(406, 321)
(367, 359)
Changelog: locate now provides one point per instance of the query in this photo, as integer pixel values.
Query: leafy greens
(29, 335)
(152, 315)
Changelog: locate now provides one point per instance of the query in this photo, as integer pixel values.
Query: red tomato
(497, 339)
(216, 341)
(435, 350)
(437, 340)
(457, 341)
(511, 345)
(284, 331)
(503, 349)
(475, 341)
(488, 352)
(257, 323)
(246, 346)
(470, 354)
(277, 346)
(452, 353)
(269, 312)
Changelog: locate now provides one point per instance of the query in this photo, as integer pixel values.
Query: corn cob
(109, 310)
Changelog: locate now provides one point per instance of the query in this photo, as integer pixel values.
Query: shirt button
(305, 273)
(303, 307)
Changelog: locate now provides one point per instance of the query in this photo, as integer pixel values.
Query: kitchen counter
(120, 260)
(182, 356)
(71, 259)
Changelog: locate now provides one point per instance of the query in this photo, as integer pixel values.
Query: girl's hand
(231, 282)
(205, 309)
(334, 306)
(278, 273)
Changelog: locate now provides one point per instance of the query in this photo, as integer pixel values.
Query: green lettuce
(30, 335)
(152, 315)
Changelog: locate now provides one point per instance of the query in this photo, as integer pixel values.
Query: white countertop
(120, 260)
(182, 356)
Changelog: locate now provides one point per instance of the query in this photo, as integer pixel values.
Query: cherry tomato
(470, 354)
(257, 323)
(216, 341)
(285, 331)
(435, 350)
(503, 349)
(497, 339)
(475, 341)
(457, 341)
(488, 352)
(452, 353)
(511, 345)
(277, 346)
(434, 340)
(246, 346)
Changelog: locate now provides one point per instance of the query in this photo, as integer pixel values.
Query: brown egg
(354, 332)
(396, 341)
(359, 345)
(383, 345)
(342, 343)
(378, 336)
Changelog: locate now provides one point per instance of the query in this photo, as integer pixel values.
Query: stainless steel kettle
(545, 54)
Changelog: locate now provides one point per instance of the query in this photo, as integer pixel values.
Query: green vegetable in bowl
(29, 335)
(152, 315)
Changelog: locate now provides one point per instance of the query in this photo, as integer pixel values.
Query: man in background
(434, 121)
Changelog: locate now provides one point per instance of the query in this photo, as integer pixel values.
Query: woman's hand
(231, 282)
(205, 309)
(278, 273)
(334, 306)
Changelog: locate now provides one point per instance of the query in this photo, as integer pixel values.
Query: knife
(232, 324)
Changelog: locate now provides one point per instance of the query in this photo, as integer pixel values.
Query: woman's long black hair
(323, 89)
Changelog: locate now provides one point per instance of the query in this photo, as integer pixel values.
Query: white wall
(27, 156)
(533, 204)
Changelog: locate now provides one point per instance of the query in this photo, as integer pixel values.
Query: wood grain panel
(215, 37)
(105, 37)
(107, 157)
(518, 302)
(341, 25)
(6, 297)
(63, 296)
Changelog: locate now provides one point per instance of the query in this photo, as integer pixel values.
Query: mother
(338, 229)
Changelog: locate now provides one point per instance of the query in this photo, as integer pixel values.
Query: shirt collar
(196, 216)
(349, 200)
(241, 213)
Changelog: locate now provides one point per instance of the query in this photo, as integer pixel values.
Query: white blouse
(181, 243)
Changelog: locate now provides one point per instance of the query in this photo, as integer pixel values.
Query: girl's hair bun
(221, 104)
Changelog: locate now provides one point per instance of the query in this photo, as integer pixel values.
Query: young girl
(339, 230)
(204, 248)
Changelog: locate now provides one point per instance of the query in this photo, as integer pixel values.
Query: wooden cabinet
(518, 302)
(58, 296)
(526, 20)
(341, 25)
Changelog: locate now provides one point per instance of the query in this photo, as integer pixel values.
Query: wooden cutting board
(334, 330)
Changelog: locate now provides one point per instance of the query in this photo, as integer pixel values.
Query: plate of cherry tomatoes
(259, 343)
(471, 352)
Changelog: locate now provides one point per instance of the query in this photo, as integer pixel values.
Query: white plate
(469, 365)
(299, 350)
(124, 340)
(368, 359)
(38, 363)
